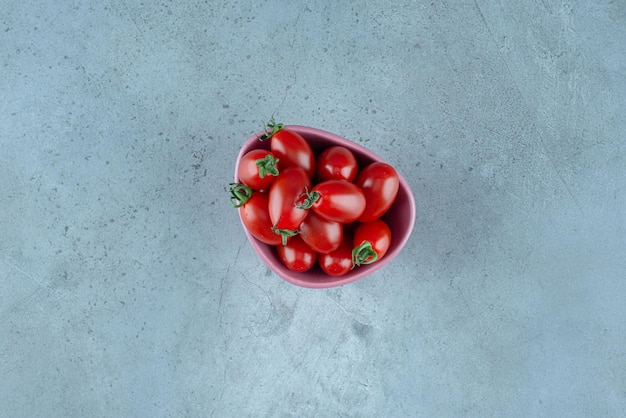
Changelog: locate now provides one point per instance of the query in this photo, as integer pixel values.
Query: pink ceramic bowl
(400, 217)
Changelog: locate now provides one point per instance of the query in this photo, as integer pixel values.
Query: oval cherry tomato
(256, 218)
(286, 191)
(336, 200)
(339, 261)
(297, 255)
(371, 242)
(254, 213)
(337, 163)
(320, 234)
(290, 147)
(257, 169)
(379, 183)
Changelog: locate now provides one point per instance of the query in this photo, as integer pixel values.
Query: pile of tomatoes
(312, 208)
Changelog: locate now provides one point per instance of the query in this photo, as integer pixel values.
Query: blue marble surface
(127, 286)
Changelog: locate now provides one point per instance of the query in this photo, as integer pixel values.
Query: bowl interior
(400, 217)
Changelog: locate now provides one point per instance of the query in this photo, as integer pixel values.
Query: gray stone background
(127, 286)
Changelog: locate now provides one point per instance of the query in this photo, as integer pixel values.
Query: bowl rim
(364, 271)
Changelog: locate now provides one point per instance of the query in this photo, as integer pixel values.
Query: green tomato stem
(363, 254)
(267, 166)
(284, 233)
(311, 198)
(270, 128)
(239, 194)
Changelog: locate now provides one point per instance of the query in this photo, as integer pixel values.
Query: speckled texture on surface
(127, 287)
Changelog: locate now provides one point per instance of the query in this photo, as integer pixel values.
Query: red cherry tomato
(337, 163)
(371, 242)
(297, 255)
(336, 200)
(379, 183)
(320, 234)
(290, 147)
(256, 218)
(253, 210)
(339, 261)
(257, 169)
(286, 191)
